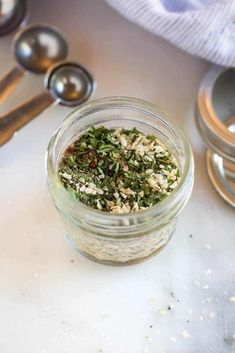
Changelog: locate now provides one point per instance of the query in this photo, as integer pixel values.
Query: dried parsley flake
(118, 170)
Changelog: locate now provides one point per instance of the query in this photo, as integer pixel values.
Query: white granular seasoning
(208, 246)
(197, 283)
(106, 164)
(66, 176)
(207, 272)
(208, 300)
(212, 315)
(185, 334)
(120, 250)
(126, 240)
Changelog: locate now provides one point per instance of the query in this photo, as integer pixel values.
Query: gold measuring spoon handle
(10, 81)
(21, 115)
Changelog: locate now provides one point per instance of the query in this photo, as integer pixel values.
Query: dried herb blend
(118, 170)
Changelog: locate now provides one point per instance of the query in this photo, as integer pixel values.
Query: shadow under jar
(120, 238)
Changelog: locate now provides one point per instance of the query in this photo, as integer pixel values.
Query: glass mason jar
(120, 238)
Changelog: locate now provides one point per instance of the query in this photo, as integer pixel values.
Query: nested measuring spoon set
(38, 49)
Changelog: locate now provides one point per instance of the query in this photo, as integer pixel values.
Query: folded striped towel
(205, 28)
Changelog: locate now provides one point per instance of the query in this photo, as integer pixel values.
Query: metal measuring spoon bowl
(36, 48)
(67, 83)
(12, 15)
(70, 83)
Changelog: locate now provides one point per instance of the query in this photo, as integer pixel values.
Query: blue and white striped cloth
(205, 28)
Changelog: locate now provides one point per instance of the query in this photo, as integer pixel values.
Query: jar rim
(214, 132)
(127, 102)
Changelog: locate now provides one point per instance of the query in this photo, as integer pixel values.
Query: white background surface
(49, 304)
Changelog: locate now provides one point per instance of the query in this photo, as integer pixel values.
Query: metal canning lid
(222, 176)
(216, 122)
(218, 85)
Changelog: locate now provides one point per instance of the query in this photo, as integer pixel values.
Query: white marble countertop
(53, 299)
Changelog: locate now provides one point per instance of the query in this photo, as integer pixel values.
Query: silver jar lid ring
(215, 133)
(222, 172)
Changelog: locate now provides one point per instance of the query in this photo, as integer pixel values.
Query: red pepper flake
(93, 165)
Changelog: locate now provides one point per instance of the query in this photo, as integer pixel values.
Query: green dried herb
(118, 170)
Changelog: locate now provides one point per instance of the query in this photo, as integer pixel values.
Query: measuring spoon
(12, 15)
(67, 83)
(36, 48)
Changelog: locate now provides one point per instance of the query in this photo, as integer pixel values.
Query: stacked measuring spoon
(39, 49)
